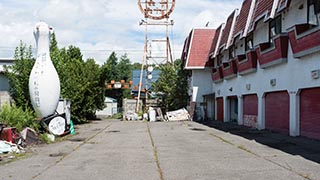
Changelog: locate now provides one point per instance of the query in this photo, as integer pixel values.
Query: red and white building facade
(265, 67)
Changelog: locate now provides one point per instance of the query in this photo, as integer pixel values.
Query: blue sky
(101, 26)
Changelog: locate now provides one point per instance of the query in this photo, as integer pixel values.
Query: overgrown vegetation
(83, 82)
(173, 84)
(18, 75)
(17, 117)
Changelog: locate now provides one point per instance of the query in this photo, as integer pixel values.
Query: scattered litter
(30, 136)
(178, 115)
(8, 147)
(4, 147)
(9, 134)
(152, 114)
(11, 157)
(51, 137)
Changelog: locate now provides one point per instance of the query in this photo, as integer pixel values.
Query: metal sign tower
(156, 13)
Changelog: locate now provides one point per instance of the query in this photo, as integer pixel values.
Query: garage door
(310, 113)
(250, 110)
(277, 108)
(220, 109)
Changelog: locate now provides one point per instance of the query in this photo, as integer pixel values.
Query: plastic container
(152, 115)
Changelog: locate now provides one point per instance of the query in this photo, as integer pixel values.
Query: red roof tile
(242, 18)
(262, 10)
(215, 40)
(199, 48)
(227, 29)
(186, 45)
(283, 4)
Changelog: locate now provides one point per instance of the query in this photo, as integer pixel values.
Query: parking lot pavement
(114, 149)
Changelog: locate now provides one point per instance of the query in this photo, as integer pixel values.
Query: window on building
(231, 53)
(249, 42)
(313, 12)
(274, 28)
(220, 57)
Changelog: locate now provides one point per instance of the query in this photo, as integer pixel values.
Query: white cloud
(102, 26)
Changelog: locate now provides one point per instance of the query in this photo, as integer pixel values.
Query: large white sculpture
(44, 84)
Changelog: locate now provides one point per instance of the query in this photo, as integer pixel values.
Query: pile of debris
(13, 142)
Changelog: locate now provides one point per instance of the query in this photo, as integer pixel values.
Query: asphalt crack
(73, 150)
(155, 153)
(241, 147)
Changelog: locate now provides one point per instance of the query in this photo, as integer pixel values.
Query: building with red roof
(264, 64)
(195, 58)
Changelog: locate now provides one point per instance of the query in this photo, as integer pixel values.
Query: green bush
(16, 117)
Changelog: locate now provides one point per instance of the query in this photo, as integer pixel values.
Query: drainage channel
(64, 155)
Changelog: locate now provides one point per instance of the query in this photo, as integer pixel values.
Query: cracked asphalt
(113, 149)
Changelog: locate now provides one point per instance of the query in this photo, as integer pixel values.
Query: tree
(181, 90)
(81, 82)
(136, 65)
(166, 84)
(117, 70)
(18, 75)
(124, 68)
(173, 84)
(110, 67)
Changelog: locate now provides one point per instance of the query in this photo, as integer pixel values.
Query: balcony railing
(304, 40)
(217, 74)
(271, 54)
(230, 69)
(247, 63)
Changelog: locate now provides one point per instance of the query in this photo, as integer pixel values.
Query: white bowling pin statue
(44, 84)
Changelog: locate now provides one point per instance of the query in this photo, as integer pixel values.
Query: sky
(99, 27)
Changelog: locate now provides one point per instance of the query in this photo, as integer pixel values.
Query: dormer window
(231, 53)
(313, 12)
(220, 57)
(249, 42)
(274, 28)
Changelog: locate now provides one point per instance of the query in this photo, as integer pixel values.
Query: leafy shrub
(17, 117)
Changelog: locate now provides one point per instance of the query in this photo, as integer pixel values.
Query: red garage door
(250, 110)
(277, 107)
(220, 109)
(310, 113)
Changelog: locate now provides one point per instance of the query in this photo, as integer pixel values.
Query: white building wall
(202, 80)
(261, 33)
(294, 74)
(201, 85)
(295, 15)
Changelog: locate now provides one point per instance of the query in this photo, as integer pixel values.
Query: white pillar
(240, 110)
(226, 109)
(261, 112)
(294, 114)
